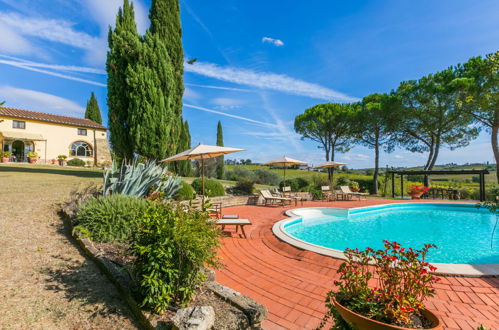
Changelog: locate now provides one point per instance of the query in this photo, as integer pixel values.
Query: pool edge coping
(466, 270)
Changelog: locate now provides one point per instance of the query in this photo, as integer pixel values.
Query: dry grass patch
(45, 282)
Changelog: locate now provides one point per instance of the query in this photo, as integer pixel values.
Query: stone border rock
(254, 311)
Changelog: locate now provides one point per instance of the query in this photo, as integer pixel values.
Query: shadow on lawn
(45, 170)
(83, 282)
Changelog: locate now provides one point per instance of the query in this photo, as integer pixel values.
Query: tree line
(443, 109)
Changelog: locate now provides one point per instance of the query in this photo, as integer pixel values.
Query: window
(81, 149)
(18, 124)
(82, 131)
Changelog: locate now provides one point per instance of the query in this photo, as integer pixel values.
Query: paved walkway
(292, 283)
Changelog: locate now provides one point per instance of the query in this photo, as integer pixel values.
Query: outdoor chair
(270, 199)
(348, 193)
(327, 194)
(286, 193)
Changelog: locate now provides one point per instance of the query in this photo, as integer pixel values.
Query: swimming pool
(462, 232)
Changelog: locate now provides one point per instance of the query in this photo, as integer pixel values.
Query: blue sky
(260, 64)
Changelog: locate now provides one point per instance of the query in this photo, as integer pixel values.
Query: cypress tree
(124, 49)
(165, 23)
(93, 111)
(221, 159)
(184, 166)
(152, 89)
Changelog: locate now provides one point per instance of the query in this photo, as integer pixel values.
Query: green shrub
(186, 192)
(171, 246)
(289, 183)
(243, 187)
(266, 177)
(318, 181)
(342, 181)
(76, 162)
(314, 192)
(111, 218)
(212, 187)
(296, 184)
(238, 173)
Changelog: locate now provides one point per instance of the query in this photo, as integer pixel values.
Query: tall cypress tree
(93, 111)
(124, 49)
(151, 114)
(221, 159)
(165, 23)
(145, 84)
(184, 166)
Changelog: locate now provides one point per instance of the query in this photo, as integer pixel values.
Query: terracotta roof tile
(47, 117)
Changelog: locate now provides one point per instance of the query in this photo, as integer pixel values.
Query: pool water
(461, 232)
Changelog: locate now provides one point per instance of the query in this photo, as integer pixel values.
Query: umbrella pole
(285, 183)
(202, 182)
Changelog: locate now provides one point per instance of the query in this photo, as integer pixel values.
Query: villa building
(23, 131)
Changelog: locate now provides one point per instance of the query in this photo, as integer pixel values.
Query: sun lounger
(270, 199)
(345, 190)
(239, 223)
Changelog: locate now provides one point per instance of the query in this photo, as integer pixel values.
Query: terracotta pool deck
(292, 283)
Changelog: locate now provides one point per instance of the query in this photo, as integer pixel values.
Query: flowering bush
(418, 188)
(402, 280)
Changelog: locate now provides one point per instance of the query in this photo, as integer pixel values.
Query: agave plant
(140, 179)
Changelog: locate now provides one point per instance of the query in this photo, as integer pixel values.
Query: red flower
(433, 268)
(424, 271)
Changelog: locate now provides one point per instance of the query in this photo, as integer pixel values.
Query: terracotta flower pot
(417, 195)
(363, 323)
(32, 160)
(5, 159)
(355, 189)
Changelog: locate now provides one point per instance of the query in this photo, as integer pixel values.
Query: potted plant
(396, 301)
(5, 156)
(62, 159)
(417, 190)
(354, 186)
(53, 161)
(32, 157)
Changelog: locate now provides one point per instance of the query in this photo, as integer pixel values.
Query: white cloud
(266, 80)
(261, 123)
(39, 101)
(71, 68)
(13, 42)
(226, 103)
(275, 42)
(104, 13)
(22, 65)
(190, 95)
(220, 87)
(398, 157)
(55, 30)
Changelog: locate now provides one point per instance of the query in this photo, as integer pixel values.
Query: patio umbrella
(328, 165)
(285, 161)
(202, 152)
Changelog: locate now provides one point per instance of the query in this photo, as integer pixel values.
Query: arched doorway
(18, 150)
